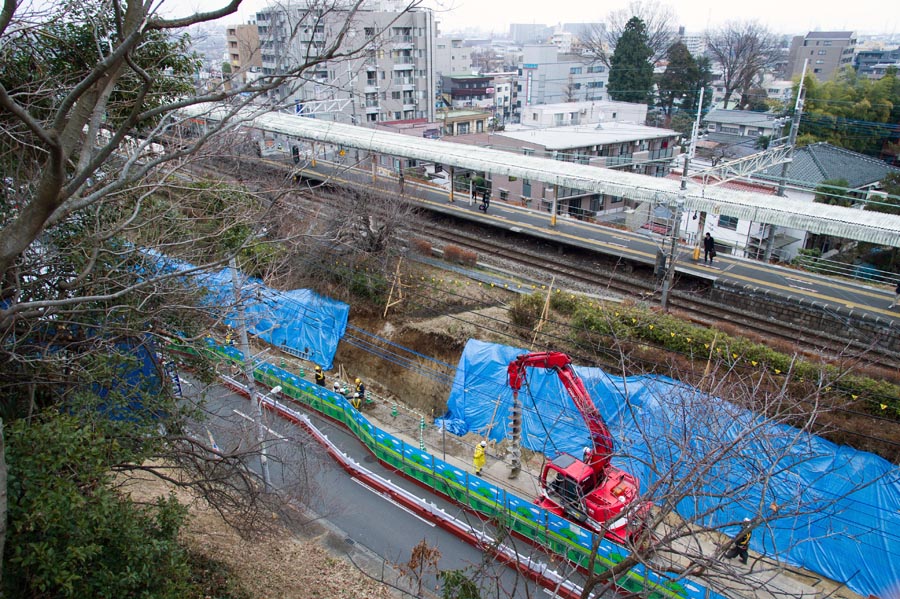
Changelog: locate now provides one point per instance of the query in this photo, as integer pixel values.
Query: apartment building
(243, 51)
(826, 51)
(391, 78)
(451, 56)
(873, 64)
(582, 113)
(547, 76)
(624, 146)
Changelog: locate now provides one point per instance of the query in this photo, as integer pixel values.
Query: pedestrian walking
(709, 248)
(478, 459)
(896, 296)
(741, 543)
(320, 376)
(485, 201)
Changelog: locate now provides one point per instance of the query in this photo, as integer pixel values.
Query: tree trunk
(2, 500)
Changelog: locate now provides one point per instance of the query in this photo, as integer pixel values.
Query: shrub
(422, 246)
(457, 255)
(526, 310)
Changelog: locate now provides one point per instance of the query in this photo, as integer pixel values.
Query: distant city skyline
(863, 17)
(495, 16)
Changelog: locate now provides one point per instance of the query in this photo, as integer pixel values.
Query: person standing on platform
(320, 376)
(709, 248)
(478, 460)
(896, 296)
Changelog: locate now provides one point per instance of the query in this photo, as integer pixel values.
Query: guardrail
(860, 272)
(519, 515)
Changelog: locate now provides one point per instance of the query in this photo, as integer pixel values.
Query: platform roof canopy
(873, 227)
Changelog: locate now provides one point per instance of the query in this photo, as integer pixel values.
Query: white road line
(807, 289)
(390, 500)
(270, 431)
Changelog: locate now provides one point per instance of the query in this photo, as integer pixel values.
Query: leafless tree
(743, 51)
(99, 167)
(658, 18)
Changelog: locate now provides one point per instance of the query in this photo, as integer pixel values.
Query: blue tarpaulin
(300, 321)
(838, 508)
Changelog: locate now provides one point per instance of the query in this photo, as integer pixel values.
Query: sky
(780, 16)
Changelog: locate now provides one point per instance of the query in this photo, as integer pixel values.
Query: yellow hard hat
(319, 368)
(358, 381)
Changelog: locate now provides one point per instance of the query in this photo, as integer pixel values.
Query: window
(596, 69)
(575, 71)
(823, 52)
(504, 194)
(728, 222)
(595, 85)
(526, 188)
(820, 61)
(395, 95)
(528, 151)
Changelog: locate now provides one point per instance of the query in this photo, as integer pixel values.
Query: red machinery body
(589, 491)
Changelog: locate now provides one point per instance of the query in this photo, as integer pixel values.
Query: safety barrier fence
(545, 529)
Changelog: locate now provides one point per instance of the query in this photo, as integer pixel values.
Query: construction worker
(320, 376)
(360, 395)
(741, 543)
(479, 459)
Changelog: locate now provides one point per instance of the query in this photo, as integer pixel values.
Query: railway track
(580, 270)
(688, 298)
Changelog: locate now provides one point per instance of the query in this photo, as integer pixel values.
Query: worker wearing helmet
(479, 459)
(360, 395)
(741, 543)
(320, 376)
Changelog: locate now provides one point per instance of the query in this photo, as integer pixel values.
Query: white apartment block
(391, 79)
(541, 116)
(452, 56)
(549, 77)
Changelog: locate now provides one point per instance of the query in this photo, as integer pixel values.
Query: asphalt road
(302, 469)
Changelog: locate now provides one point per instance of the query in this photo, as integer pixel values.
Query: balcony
(370, 88)
(372, 109)
(404, 66)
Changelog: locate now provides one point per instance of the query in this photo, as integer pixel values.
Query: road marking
(806, 289)
(250, 418)
(212, 442)
(391, 500)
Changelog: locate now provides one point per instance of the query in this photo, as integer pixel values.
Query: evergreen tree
(631, 73)
(679, 81)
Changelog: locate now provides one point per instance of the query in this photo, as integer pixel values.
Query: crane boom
(561, 363)
(591, 491)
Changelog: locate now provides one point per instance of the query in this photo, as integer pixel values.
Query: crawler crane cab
(589, 491)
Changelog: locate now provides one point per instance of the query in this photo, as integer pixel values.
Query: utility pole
(679, 209)
(792, 140)
(248, 373)
(673, 248)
